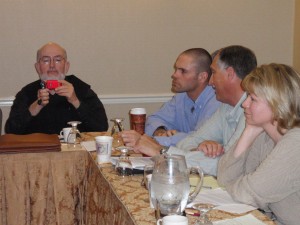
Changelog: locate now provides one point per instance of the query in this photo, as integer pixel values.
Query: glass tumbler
(124, 166)
(74, 137)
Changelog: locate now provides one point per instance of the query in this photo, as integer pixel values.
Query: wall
(127, 48)
(296, 60)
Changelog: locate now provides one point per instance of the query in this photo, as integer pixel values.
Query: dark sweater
(54, 116)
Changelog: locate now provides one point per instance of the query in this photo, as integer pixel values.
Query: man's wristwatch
(164, 150)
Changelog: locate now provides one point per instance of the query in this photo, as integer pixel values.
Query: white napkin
(89, 145)
(242, 220)
(223, 200)
(137, 162)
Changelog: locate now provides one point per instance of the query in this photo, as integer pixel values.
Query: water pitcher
(169, 185)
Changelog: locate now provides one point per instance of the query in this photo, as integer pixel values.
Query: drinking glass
(74, 137)
(115, 130)
(169, 185)
(124, 165)
(203, 208)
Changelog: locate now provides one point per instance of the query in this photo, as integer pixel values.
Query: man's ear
(67, 66)
(230, 72)
(203, 76)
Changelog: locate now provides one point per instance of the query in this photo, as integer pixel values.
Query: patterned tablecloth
(69, 187)
(135, 198)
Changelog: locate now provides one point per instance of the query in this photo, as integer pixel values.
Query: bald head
(51, 46)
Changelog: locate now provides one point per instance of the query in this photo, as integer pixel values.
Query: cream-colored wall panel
(129, 47)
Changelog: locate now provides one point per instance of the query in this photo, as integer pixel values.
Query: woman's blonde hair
(279, 85)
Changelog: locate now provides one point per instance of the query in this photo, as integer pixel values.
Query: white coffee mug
(173, 220)
(65, 132)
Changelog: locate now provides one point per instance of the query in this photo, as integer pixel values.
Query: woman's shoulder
(290, 141)
(294, 132)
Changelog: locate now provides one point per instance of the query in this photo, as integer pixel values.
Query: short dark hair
(241, 59)
(202, 58)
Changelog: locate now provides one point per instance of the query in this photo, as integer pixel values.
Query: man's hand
(140, 143)
(148, 146)
(171, 132)
(130, 137)
(162, 132)
(211, 149)
(43, 96)
(42, 100)
(67, 90)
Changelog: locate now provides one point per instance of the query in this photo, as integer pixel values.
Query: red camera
(52, 84)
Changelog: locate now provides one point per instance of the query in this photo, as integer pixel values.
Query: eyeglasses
(47, 59)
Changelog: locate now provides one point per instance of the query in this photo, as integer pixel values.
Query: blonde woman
(263, 168)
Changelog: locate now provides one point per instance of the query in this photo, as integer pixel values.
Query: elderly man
(39, 108)
(193, 104)
(203, 147)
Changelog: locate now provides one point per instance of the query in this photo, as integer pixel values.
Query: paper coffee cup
(103, 146)
(138, 120)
